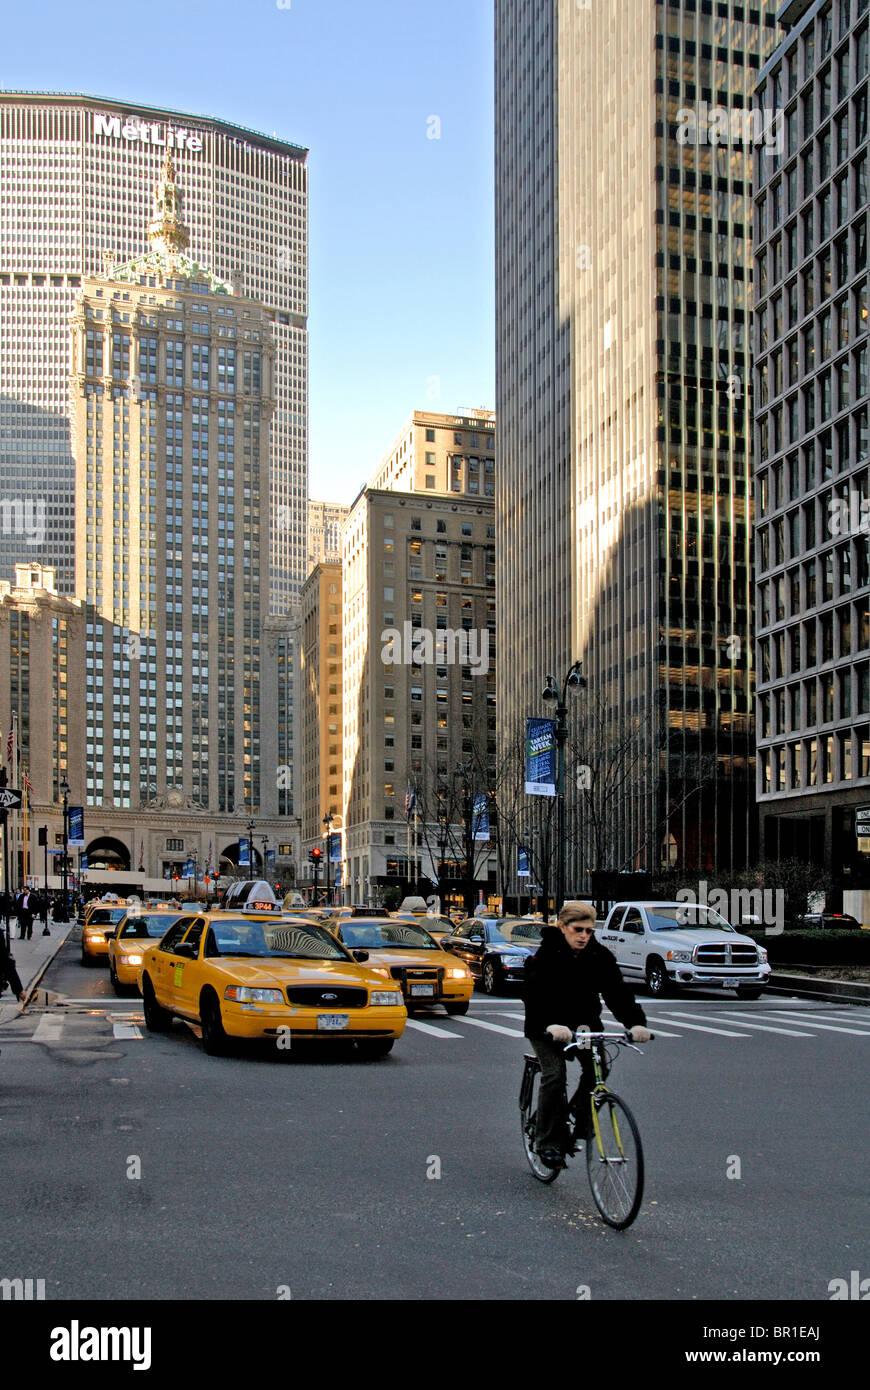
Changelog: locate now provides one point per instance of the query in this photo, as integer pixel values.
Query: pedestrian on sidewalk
(25, 915)
(8, 974)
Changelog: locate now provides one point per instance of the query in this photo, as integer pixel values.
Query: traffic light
(43, 835)
(315, 855)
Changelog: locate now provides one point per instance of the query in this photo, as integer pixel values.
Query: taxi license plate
(730, 984)
(330, 1023)
(423, 990)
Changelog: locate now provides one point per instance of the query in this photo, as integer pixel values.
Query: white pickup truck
(666, 945)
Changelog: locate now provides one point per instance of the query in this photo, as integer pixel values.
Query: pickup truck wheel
(657, 981)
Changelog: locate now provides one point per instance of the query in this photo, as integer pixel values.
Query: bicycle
(614, 1154)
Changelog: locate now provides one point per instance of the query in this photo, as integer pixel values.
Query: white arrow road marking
(701, 1028)
(433, 1032)
(48, 1029)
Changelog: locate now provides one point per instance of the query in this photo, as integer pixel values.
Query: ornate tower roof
(166, 230)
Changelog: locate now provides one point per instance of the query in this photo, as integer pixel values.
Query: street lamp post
(250, 827)
(463, 771)
(327, 821)
(265, 849)
(64, 791)
(573, 681)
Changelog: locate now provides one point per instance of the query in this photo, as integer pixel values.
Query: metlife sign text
(145, 133)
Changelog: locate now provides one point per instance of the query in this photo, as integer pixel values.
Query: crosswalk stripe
(825, 1027)
(433, 1032)
(702, 1028)
(607, 1019)
(493, 1027)
(765, 1027)
(48, 1029)
(126, 1030)
(832, 1018)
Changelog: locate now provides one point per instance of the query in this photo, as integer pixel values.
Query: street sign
(862, 821)
(11, 799)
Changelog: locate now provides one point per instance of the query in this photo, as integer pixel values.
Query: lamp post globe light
(573, 681)
(64, 791)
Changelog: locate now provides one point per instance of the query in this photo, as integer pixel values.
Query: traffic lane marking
(48, 1029)
(703, 1028)
(493, 1027)
(767, 1027)
(432, 1031)
(126, 1030)
(825, 1027)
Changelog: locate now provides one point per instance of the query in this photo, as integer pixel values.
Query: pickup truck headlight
(242, 994)
(385, 998)
(762, 955)
(679, 955)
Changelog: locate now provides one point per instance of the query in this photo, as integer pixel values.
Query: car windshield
(232, 936)
(154, 924)
(517, 933)
(387, 935)
(687, 917)
(106, 916)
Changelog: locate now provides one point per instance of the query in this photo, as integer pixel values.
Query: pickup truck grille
(327, 996)
(724, 953)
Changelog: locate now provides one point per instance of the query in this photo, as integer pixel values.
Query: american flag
(28, 785)
(410, 801)
(10, 742)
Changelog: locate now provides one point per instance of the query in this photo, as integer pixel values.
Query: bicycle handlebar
(581, 1038)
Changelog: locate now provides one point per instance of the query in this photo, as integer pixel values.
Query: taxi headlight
(385, 998)
(242, 994)
(457, 974)
(133, 960)
(512, 960)
(679, 955)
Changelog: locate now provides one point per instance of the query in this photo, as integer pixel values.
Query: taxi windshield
(106, 916)
(231, 936)
(154, 924)
(387, 935)
(687, 917)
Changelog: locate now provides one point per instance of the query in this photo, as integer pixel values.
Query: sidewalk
(31, 958)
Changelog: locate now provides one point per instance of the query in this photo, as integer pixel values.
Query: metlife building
(77, 175)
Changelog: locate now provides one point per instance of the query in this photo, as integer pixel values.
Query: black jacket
(8, 973)
(566, 986)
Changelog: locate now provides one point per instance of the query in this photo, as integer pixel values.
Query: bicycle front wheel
(614, 1161)
(528, 1122)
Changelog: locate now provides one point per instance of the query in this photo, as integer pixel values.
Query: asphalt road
(137, 1167)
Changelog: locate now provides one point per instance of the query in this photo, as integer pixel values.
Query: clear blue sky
(401, 225)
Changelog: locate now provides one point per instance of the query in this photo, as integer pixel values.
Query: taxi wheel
(157, 1020)
(119, 989)
(373, 1048)
(456, 1008)
(214, 1039)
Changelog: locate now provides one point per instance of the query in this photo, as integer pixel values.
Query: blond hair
(576, 912)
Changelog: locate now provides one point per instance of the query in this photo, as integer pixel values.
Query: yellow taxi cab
(101, 919)
(267, 976)
(425, 973)
(136, 929)
(434, 923)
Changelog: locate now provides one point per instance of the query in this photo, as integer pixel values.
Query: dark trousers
(26, 928)
(551, 1131)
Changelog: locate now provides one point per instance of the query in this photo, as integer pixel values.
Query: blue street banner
(187, 871)
(523, 870)
(337, 879)
(76, 824)
(540, 757)
(334, 849)
(270, 859)
(83, 863)
(244, 852)
(480, 818)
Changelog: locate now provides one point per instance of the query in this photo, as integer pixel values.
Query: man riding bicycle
(565, 981)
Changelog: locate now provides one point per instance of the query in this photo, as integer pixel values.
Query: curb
(810, 987)
(11, 1008)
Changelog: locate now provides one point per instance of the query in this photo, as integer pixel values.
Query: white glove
(639, 1034)
(559, 1033)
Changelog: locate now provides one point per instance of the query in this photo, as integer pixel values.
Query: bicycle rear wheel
(614, 1161)
(528, 1123)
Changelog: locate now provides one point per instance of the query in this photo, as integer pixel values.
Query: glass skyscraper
(624, 453)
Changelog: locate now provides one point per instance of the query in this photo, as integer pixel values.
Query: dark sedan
(495, 949)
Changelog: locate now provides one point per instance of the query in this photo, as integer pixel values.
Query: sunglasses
(587, 930)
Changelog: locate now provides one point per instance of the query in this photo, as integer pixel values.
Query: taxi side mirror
(360, 956)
